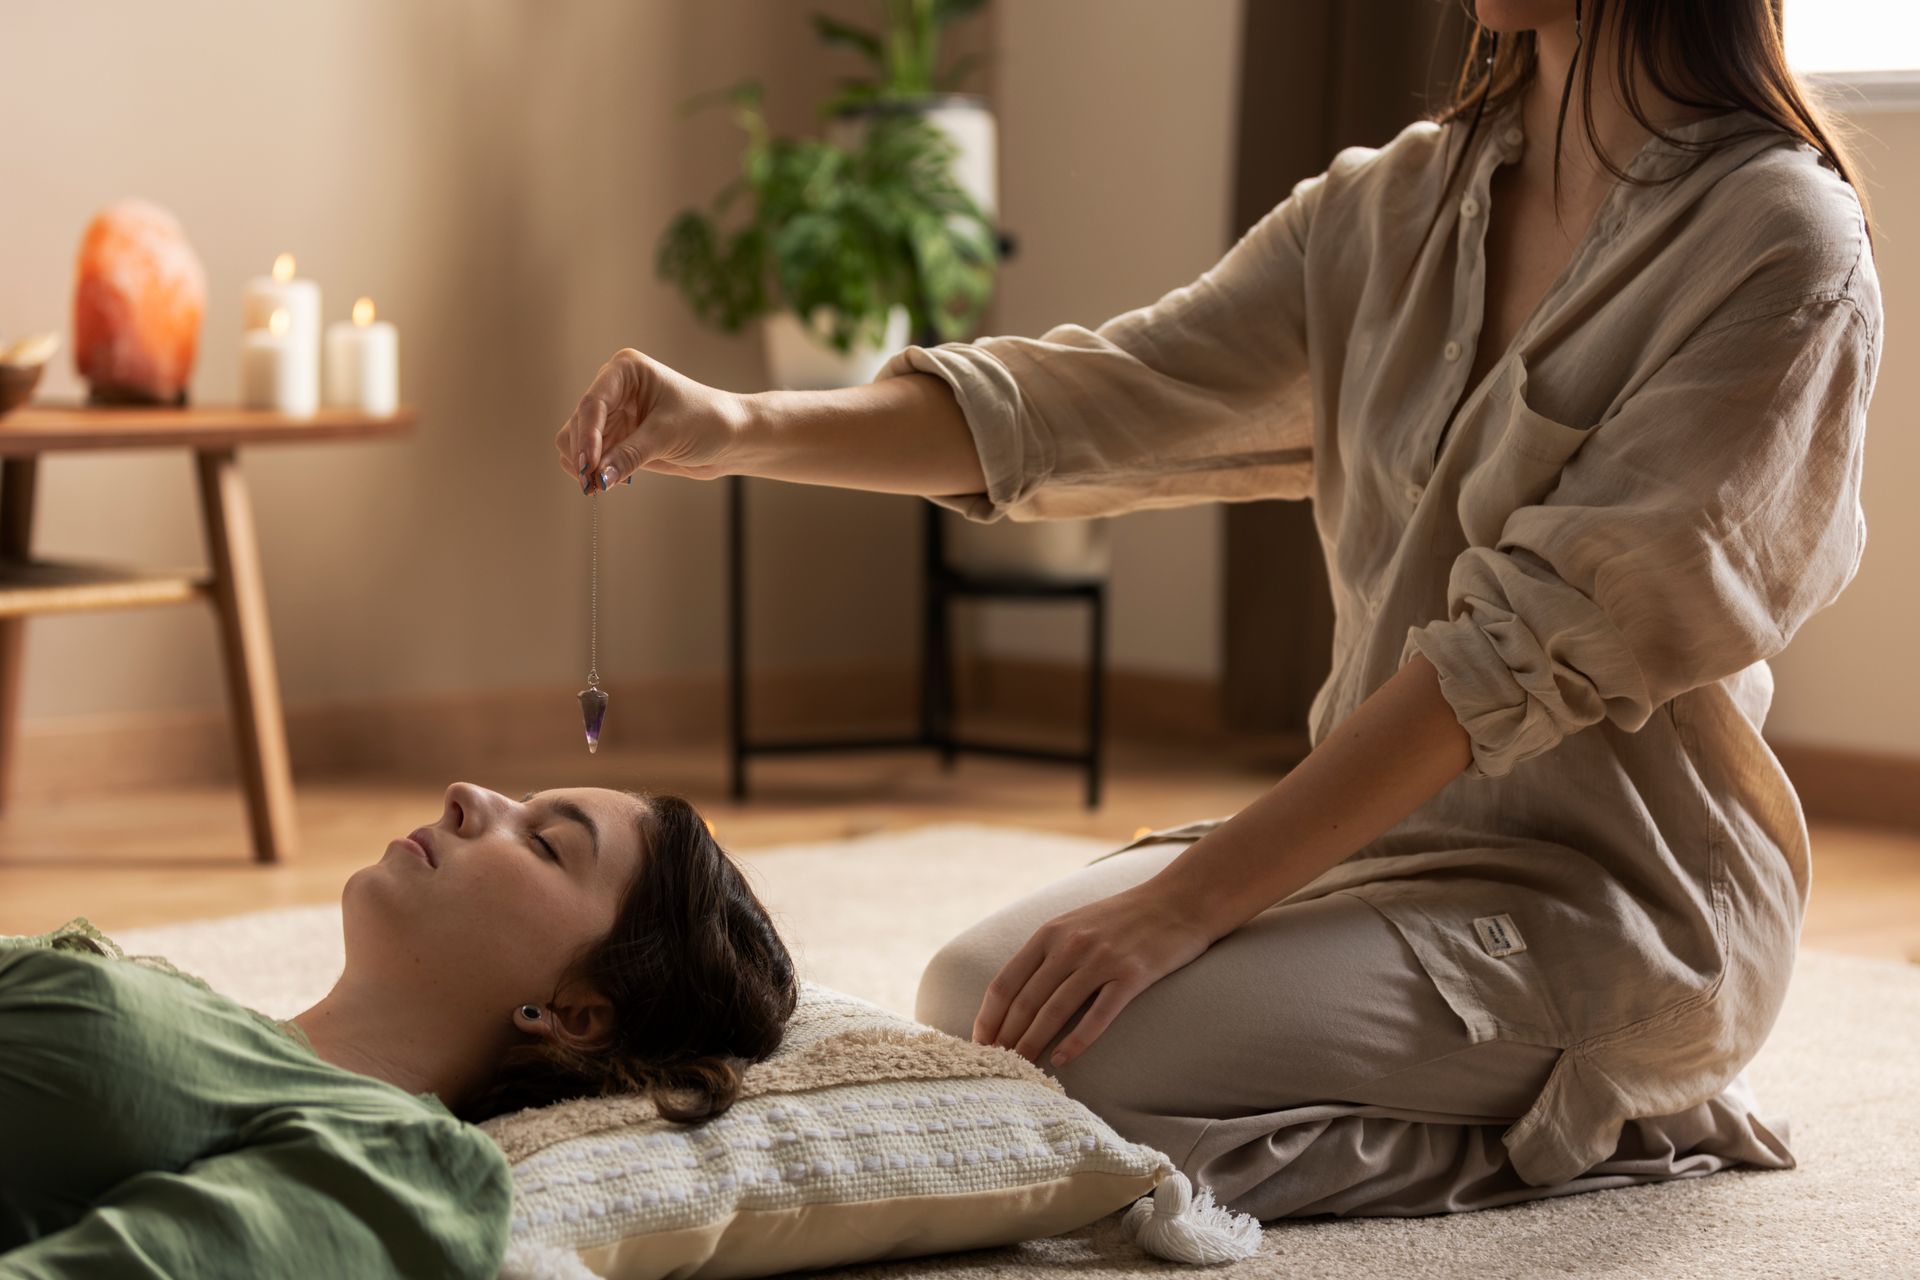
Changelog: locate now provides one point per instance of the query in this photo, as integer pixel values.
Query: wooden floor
(129, 858)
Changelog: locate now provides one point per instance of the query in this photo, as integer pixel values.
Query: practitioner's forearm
(1397, 749)
(898, 435)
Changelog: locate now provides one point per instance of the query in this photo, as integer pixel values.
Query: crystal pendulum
(593, 700)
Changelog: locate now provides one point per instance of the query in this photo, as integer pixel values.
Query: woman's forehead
(608, 798)
(606, 812)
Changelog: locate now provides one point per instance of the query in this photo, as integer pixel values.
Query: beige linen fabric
(1306, 1064)
(1598, 546)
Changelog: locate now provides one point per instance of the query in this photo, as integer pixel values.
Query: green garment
(150, 1126)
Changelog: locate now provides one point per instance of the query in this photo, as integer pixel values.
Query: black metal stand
(942, 584)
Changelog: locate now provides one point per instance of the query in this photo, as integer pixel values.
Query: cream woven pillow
(865, 1136)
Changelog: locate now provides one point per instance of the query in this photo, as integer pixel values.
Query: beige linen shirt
(1598, 547)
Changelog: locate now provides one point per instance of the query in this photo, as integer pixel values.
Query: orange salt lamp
(138, 295)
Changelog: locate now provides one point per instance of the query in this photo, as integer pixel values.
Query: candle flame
(283, 268)
(278, 322)
(363, 312)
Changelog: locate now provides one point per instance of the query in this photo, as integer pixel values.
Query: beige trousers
(1306, 1064)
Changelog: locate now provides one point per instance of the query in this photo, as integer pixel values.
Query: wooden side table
(232, 582)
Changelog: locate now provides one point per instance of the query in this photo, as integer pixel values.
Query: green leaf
(833, 31)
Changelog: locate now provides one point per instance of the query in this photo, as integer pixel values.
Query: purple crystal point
(593, 710)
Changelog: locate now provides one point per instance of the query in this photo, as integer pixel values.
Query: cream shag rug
(864, 915)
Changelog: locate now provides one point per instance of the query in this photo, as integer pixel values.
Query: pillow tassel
(1172, 1224)
(527, 1260)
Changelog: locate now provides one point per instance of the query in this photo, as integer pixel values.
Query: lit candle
(300, 300)
(363, 362)
(272, 370)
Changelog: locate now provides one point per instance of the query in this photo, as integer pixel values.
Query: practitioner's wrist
(751, 423)
(1190, 888)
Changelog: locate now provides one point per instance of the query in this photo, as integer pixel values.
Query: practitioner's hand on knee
(1110, 950)
(639, 415)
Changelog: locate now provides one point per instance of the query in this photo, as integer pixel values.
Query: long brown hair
(700, 982)
(1707, 54)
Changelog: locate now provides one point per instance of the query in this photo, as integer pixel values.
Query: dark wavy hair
(1700, 53)
(700, 982)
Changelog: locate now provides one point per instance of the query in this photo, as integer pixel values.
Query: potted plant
(906, 78)
(843, 250)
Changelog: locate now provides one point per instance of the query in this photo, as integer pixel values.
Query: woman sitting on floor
(512, 955)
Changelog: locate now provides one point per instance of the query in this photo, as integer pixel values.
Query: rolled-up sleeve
(1201, 396)
(1690, 536)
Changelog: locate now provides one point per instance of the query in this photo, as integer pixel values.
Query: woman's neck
(364, 1028)
(1582, 177)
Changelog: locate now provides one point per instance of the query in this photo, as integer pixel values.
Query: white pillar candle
(300, 300)
(363, 362)
(275, 373)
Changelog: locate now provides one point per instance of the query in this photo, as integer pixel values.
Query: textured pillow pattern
(865, 1136)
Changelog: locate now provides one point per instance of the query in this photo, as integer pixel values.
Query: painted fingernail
(607, 477)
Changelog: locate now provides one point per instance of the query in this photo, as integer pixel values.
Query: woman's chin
(378, 888)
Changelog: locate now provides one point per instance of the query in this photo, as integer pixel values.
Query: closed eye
(541, 840)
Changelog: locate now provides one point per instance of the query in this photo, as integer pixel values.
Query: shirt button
(1373, 607)
(1413, 493)
(1513, 137)
(1469, 208)
(1451, 351)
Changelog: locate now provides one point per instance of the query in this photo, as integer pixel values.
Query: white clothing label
(1498, 935)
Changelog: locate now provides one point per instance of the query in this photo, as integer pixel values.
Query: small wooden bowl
(17, 382)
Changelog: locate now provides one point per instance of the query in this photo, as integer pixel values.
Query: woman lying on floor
(514, 954)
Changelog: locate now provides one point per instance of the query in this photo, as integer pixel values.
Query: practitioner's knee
(954, 983)
(1108, 1077)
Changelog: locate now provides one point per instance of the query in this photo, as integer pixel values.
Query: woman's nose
(470, 807)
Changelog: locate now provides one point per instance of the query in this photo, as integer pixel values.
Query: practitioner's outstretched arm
(900, 435)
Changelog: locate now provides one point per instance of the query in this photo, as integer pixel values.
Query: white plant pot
(799, 357)
(1035, 548)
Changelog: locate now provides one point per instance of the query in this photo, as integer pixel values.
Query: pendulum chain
(593, 626)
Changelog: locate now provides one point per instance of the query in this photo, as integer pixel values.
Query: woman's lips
(422, 845)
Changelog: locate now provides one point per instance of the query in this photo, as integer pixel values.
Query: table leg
(253, 688)
(17, 477)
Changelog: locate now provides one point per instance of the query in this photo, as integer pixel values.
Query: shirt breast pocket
(1521, 459)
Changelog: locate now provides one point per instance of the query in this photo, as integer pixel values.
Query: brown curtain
(1315, 76)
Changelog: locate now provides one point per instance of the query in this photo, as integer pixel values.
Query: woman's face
(492, 903)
